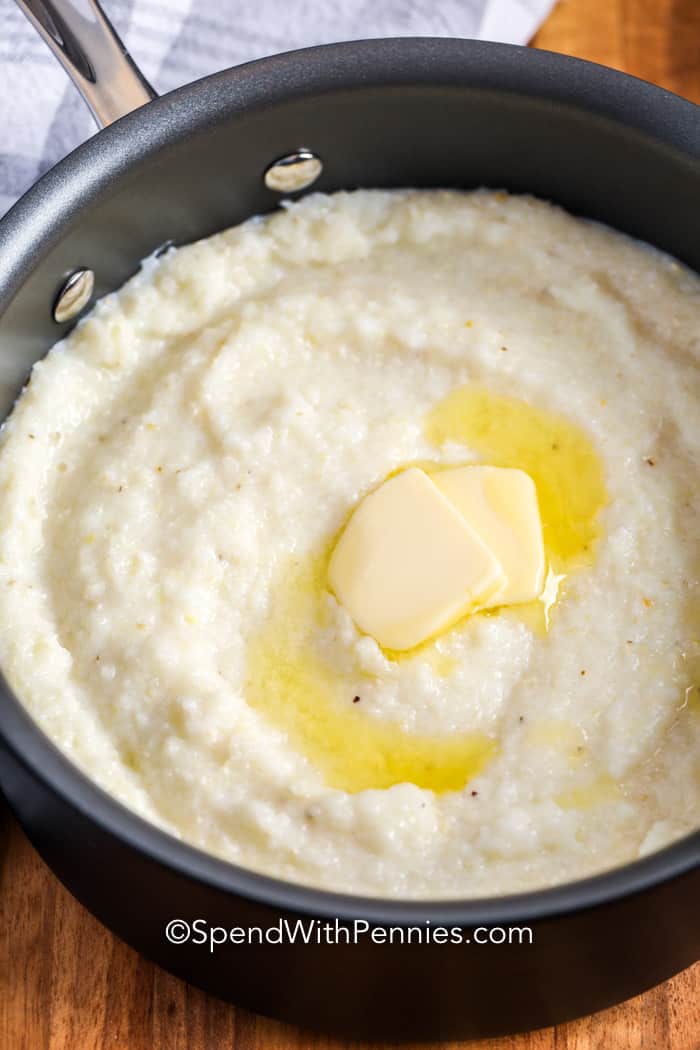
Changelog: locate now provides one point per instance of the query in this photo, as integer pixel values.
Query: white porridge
(174, 478)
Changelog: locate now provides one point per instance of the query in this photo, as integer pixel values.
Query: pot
(411, 112)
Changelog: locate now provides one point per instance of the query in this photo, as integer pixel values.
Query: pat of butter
(500, 504)
(408, 564)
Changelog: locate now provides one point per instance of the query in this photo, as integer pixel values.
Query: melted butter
(441, 663)
(691, 699)
(292, 685)
(599, 791)
(690, 672)
(561, 736)
(303, 695)
(558, 456)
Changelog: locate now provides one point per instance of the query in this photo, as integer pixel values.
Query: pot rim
(40, 218)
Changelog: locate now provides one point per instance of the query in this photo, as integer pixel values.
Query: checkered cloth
(174, 41)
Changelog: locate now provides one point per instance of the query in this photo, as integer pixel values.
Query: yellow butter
(501, 506)
(409, 565)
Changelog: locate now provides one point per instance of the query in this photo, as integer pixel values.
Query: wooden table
(68, 984)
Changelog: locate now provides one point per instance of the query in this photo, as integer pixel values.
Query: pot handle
(86, 44)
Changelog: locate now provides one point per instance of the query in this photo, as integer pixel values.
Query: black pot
(380, 113)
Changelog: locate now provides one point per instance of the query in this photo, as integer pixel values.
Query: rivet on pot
(293, 172)
(74, 295)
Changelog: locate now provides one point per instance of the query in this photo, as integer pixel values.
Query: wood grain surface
(68, 984)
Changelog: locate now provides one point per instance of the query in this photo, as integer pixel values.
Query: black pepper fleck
(356, 699)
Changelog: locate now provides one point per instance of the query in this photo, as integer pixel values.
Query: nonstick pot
(412, 112)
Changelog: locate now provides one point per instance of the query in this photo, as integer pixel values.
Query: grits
(178, 468)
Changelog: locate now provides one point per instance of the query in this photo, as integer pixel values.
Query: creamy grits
(175, 475)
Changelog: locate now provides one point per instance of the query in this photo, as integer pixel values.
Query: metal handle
(86, 44)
